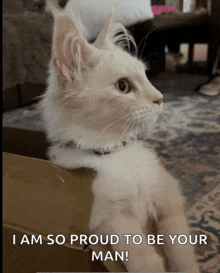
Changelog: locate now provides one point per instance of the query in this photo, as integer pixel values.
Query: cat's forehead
(122, 61)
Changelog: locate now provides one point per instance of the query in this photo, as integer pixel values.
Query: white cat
(98, 98)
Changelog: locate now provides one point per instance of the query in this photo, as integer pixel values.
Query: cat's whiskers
(174, 126)
(106, 128)
(144, 39)
(125, 125)
(124, 128)
(137, 127)
(132, 130)
(142, 127)
(136, 131)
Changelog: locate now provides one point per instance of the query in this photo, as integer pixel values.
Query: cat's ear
(69, 49)
(104, 38)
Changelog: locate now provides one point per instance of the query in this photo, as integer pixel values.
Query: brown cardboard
(41, 199)
(43, 258)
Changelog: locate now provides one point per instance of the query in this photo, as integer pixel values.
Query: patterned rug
(188, 141)
(187, 138)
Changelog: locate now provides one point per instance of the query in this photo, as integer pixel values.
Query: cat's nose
(158, 101)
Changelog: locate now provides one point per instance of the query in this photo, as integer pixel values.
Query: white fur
(91, 136)
(130, 188)
(83, 105)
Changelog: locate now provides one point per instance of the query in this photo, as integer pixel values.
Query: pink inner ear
(70, 48)
(70, 52)
(59, 69)
(63, 52)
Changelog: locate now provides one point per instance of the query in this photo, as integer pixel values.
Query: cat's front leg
(180, 257)
(142, 257)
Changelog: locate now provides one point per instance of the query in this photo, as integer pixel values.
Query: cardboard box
(40, 199)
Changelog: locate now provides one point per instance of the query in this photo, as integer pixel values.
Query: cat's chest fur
(125, 172)
(128, 181)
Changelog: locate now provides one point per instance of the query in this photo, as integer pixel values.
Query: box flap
(43, 199)
(39, 198)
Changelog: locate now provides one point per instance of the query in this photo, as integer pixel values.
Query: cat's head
(98, 94)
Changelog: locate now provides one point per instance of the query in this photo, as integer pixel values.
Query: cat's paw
(69, 158)
(64, 157)
(188, 267)
(153, 263)
(194, 269)
(58, 156)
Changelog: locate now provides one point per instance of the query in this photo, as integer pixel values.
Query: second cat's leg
(142, 257)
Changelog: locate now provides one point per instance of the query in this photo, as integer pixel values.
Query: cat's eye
(123, 85)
